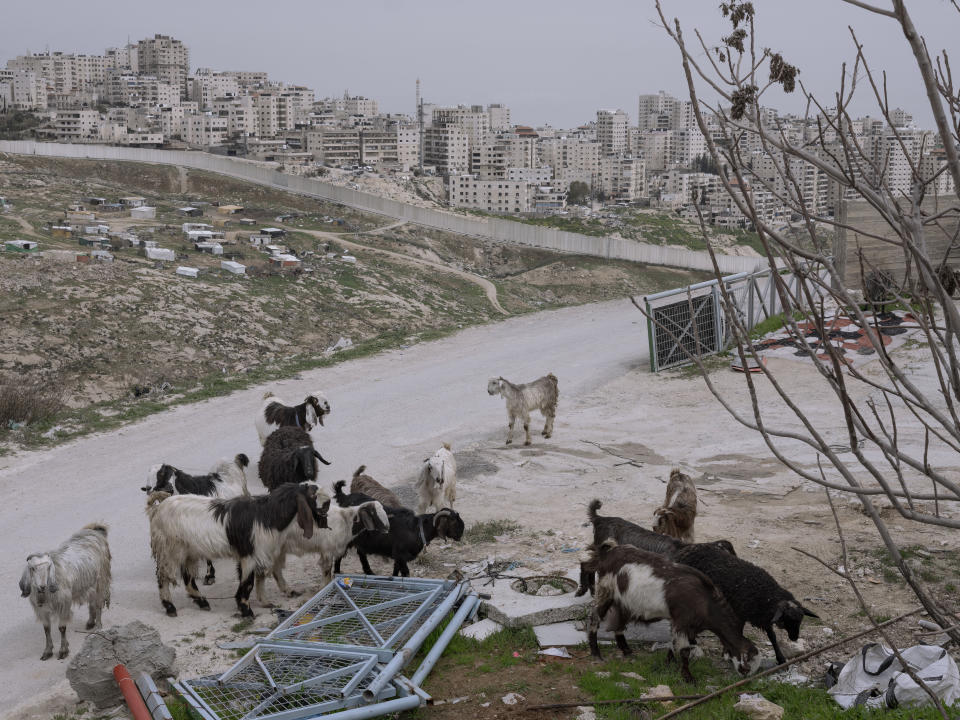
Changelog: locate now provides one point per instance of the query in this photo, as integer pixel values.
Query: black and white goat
(638, 586)
(409, 533)
(624, 532)
(288, 457)
(251, 530)
(76, 573)
(344, 524)
(275, 413)
(752, 592)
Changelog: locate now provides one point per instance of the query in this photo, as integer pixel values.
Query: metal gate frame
(342, 650)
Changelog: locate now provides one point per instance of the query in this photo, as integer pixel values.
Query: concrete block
(573, 633)
(511, 607)
(559, 634)
(481, 630)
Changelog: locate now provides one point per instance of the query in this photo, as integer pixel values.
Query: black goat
(409, 533)
(288, 457)
(638, 586)
(610, 527)
(751, 591)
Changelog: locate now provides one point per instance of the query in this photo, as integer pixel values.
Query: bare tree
(728, 80)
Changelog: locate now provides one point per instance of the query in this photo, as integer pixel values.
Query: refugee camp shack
(188, 227)
(247, 221)
(197, 236)
(143, 212)
(23, 246)
(259, 240)
(134, 201)
(214, 248)
(148, 243)
(230, 209)
(233, 267)
(4, 205)
(188, 271)
(273, 232)
(156, 253)
(95, 201)
(101, 255)
(97, 241)
(61, 232)
(275, 249)
(190, 211)
(285, 261)
(349, 259)
(65, 256)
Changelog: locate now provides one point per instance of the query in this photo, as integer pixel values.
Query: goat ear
(809, 613)
(778, 614)
(52, 586)
(441, 523)
(368, 516)
(320, 458)
(25, 582)
(304, 517)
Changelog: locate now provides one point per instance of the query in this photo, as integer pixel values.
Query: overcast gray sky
(551, 62)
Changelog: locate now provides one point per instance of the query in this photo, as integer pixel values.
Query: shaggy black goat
(288, 457)
(639, 586)
(609, 527)
(751, 591)
(409, 533)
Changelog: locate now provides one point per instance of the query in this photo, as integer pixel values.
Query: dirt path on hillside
(27, 227)
(489, 289)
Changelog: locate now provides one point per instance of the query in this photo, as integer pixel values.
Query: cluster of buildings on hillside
(145, 94)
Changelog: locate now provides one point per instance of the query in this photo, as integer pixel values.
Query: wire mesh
(274, 681)
(684, 329)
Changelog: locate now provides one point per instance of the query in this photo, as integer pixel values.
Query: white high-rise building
(612, 131)
(166, 58)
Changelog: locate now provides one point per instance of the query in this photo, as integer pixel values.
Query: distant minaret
(420, 123)
(417, 106)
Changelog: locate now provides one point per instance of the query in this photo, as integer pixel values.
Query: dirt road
(388, 411)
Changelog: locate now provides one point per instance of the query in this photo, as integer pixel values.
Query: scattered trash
(633, 676)
(512, 698)
(343, 342)
(792, 676)
(827, 631)
(874, 677)
(758, 707)
(482, 629)
(602, 674)
(557, 652)
(346, 583)
(486, 704)
(753, 544)
(832, 673)
(516, 654)
(569, 549)
(15, 425)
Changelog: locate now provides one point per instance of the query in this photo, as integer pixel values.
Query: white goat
(344, 524)
(275, 413)
(541, 394)
(437, 484)
(75, 573)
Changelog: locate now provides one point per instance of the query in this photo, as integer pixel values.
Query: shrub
(28, 401)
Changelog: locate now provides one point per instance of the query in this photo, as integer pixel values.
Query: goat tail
(241, 460)
(592, 509)
(154, 499)
(358, 472)
(99, 527)
(268, 394)
(446, 446)
(338, 491)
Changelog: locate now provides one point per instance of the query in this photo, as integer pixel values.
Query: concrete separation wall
(499, 230)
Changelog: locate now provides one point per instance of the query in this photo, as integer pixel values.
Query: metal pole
(406, 653)
(384, 708)
(440, 645)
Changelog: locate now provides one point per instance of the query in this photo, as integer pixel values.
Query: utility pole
(420, 124)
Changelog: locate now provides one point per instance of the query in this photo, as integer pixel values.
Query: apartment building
(76, 126)
(612, 131)
(378, 147)
(241, 115)
(621, 178)
(139, 90)
(334, 147)
(571, 157)
(206, 86)
(28, 91)
(124, 59)
(205, 130)
(497, 196)
(499, 116)
(167, 59)
(408, 145)
(447, 148)
(492, 159)
(473, 120)
(359, 105)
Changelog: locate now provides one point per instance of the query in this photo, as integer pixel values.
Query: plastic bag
(875, 678)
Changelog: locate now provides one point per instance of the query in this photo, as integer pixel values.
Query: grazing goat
(541, 394)
(276, 414)
(679, 510)
(288, 457)
(75, 573)
(638, 586)
(226, 480)
(251, 530)
(751, 591)
(609, 527)
(409, 533)
(437, 484)
(363, 484)
(344, 525)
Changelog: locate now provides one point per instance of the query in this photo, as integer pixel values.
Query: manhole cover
(544, 585)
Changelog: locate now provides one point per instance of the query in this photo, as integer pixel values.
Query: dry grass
(27, 401)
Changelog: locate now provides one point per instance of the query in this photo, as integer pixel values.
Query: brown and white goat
(679, 510)
(638, 586)
(366, 485)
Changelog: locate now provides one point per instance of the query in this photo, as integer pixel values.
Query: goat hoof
(294, 593)
(246, 612)
(62, 654)
(209, 580)
(527, 443)
(509, 442)
(47, 655)
(171, 611)
(90, 625)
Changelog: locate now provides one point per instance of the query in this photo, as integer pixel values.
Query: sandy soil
(619, 431)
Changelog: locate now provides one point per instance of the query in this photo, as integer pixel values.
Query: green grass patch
(487, 530)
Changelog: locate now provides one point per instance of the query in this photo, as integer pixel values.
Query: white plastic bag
(875, 678)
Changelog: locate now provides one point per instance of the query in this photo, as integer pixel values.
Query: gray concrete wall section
(499, 230)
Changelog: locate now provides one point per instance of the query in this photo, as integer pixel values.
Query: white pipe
(440, 645)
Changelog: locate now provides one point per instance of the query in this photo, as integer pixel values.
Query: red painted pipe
(130, 693)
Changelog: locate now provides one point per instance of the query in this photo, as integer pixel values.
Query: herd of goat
(635, 574)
